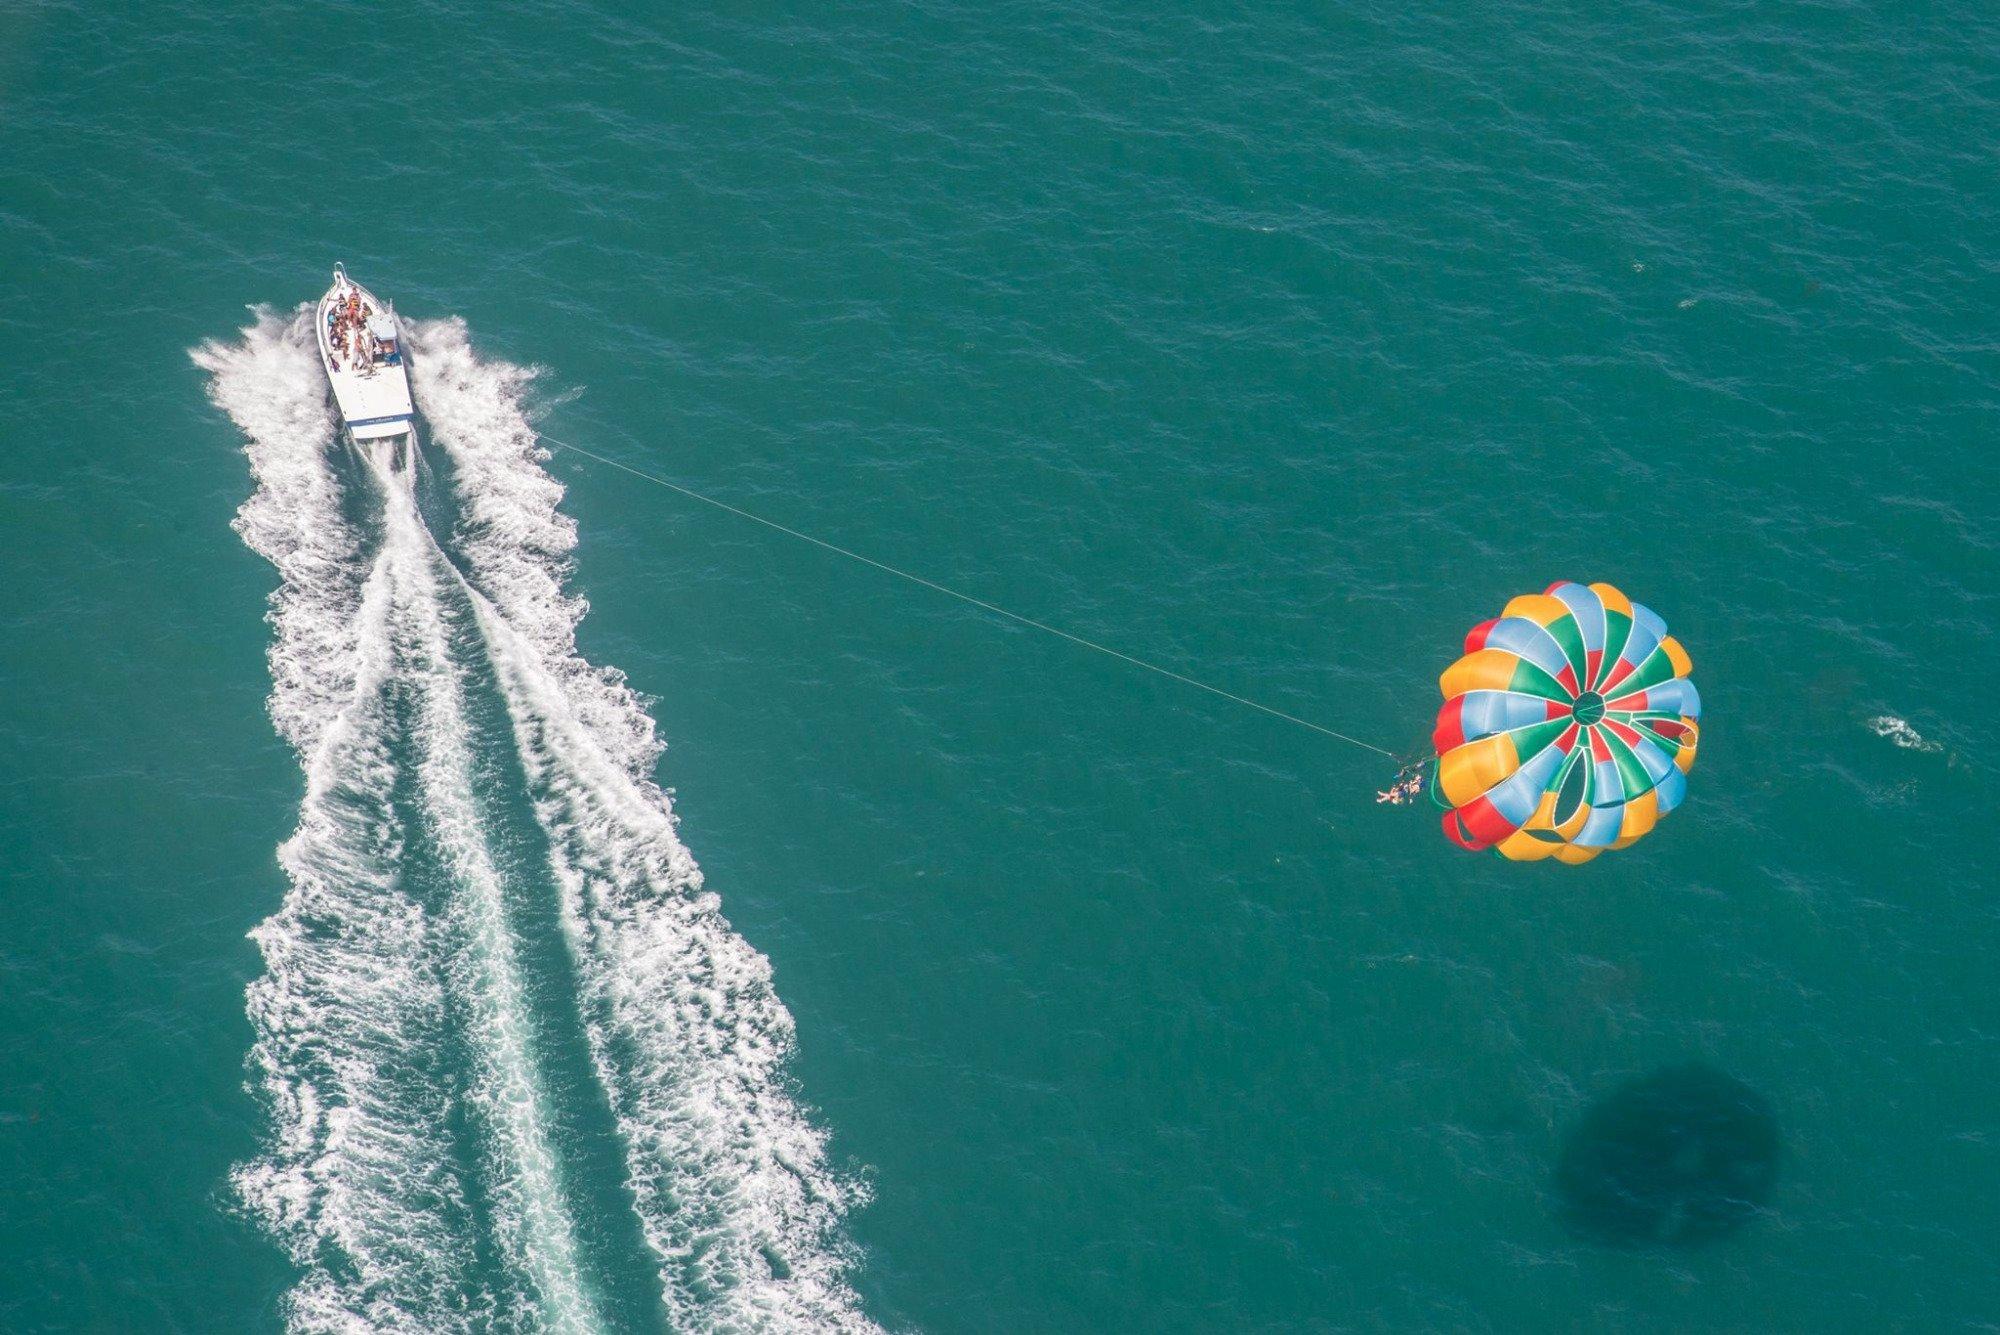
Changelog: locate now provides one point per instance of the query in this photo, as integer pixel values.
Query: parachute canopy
(1568, 727)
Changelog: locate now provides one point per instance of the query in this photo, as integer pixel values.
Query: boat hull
(372, 394)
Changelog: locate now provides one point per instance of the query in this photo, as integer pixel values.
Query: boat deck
(373, 396)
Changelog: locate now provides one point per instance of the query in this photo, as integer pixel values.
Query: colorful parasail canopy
(1568, 727)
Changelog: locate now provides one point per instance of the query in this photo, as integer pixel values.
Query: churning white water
(412, 1171)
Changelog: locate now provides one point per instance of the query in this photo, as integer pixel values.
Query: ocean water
(369, 965)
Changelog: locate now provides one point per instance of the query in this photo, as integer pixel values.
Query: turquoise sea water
(1277, 345)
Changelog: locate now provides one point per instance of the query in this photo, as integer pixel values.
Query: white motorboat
(361, 346)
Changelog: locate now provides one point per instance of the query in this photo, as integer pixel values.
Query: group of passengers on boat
(358, 337)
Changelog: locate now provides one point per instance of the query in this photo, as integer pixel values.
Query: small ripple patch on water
(1899, 732)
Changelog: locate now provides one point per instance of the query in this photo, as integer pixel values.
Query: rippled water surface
(941, 975)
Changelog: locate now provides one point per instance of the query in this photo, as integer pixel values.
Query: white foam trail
(271, 384)
(360, 1181)
(686, 1033)
(529, 1215)
(1902, 734)
(363, 988)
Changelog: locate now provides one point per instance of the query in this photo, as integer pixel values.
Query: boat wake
(464, 766)
(1904, 736)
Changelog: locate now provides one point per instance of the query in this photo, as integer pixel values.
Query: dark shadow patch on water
(1679, 1158)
